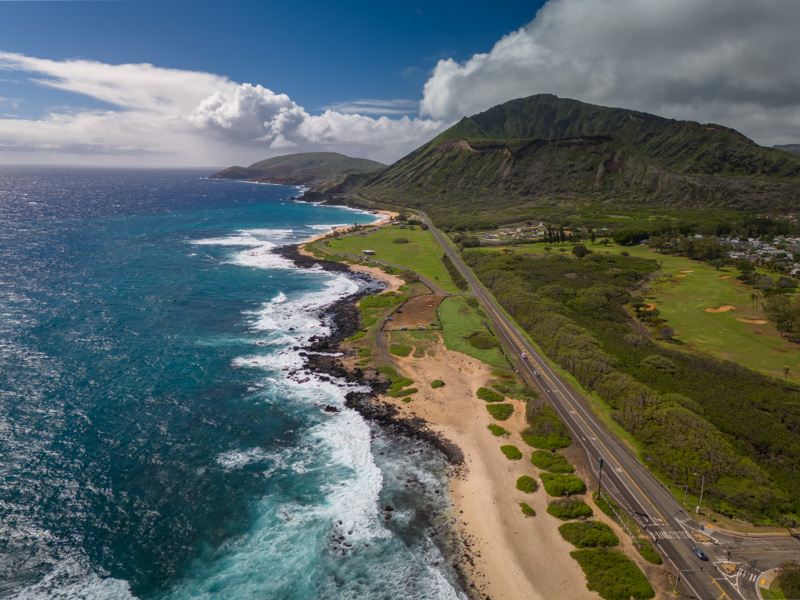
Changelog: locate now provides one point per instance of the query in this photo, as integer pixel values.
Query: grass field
(421, 254)
(683, 298)
(459, 321)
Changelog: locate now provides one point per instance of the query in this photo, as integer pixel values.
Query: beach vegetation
(588, 534)
(569, 508)
(511, 452)
(501, 412)
(648, 552)
(459, 322)
(545, 430)
(488, 395)
(518, 390)
(527, 484)
(407, 399)
(527, 510)
(498, 431)
(437, 383)
(562, 485)
(364, 351)
(789, 579)
(400, 349)
(613, 575)
(551, 461)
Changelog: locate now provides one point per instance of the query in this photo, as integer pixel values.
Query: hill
(306, 168)
(545, 151)
(793, 148)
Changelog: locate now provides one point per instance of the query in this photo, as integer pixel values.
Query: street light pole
(702, 487)
(600, 479)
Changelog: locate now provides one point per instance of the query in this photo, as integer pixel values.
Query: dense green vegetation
(613, 575)
(789, 579)
(488, 395)
(400, 349)
(569, 508)
(498, 431)
(455, 274)
(518, 390)
(737, 427)
(437, 383)
(511, 452)
(589, 534)
(501, 412)
(545, 430)
(398, 385)
(527, 484)
(562, 485)
(527, 510)
(552, 461)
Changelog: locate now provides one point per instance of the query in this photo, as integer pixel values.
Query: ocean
(159, 434)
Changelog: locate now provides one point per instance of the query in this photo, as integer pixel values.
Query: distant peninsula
(304, 168)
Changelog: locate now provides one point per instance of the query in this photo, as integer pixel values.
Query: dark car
(700, 554)
(535, 373)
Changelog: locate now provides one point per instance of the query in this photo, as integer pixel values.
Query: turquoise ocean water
(156, 437)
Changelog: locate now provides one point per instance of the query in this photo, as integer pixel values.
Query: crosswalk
(672, 534)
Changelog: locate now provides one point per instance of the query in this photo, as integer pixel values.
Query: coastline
(498, 552)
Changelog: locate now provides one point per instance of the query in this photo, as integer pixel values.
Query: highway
(735, 562)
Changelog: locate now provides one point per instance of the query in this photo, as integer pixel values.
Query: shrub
(437, 383)
(407, 400)
(527, 484)
(400, 240)
(551, 461)
(511, 452)
(488, 395)
(789, 579)
(589, 534)
(512, 389)
(648, 552)
(545, 429)
(402, 392)
(569, 509)
(527, 510)
(613, 575)
(483, 340)
(400, 349)
(501, 412)
(498, 431)
(562, 485)
(364, 351)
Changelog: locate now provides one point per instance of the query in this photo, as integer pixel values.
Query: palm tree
(754, 297)
(785, 373)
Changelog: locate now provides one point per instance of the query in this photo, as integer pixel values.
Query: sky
(179, 83)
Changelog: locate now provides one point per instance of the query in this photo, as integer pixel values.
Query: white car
(523, 355)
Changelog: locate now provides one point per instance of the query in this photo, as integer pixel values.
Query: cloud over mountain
(726, 61)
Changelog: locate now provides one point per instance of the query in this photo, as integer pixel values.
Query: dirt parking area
(416, 312)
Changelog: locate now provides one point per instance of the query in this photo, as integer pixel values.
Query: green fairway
(421, 253)
(459, 322)
(682, 297)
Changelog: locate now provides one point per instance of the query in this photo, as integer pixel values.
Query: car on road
(523, 355)
(535, 373)
(700, 554)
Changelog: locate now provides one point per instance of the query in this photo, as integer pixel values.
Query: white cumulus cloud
(172, 117)
(732, 62)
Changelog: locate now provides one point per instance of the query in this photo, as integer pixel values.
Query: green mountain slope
(793, 148)
(307, 168)
(547, 151)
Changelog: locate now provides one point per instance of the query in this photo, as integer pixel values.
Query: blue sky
(178, 83)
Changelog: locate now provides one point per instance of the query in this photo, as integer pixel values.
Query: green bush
(407, 400)
(501, 412)
(648, 552)
(589, 534)
(483, 340)
(527, 510)
(605, 505)
(401, 392)
(400, 240)
(527, 484)
(789, 579)
(498, 431)
(562, 485)
(400, 349)
(511, 452)
(488, 395)
(513, 389)
(571, 508)
(364, 351)
(551, 461)
(545, 430)
(437, 383)
(613, 575)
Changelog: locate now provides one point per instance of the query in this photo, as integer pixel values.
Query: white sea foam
(236, 459)
(71, 580)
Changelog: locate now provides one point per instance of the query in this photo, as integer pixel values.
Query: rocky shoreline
(322, 357)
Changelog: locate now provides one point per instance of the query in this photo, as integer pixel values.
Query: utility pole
(702, 487)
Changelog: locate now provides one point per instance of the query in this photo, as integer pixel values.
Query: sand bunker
(753, 321)
(723, 308)
(649, 306)
(723, 276)
(688, 271)
(680, 275)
